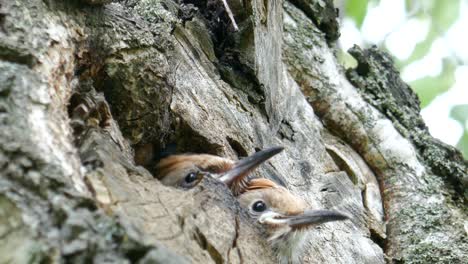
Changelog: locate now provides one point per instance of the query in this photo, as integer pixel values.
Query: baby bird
(284, 216)
(187, 170)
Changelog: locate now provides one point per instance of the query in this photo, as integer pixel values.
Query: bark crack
(203, 242)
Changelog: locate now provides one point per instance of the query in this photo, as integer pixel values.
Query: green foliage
(460, 113)
(356, 10)
(429, 87)
(442, 15)
(462, 144)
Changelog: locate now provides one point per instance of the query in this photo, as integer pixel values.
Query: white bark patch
(45, 139)
(395, 147)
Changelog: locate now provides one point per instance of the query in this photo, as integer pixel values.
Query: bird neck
(289, 247)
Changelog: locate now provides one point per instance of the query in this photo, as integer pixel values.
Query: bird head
(187, 170)
(284, 216)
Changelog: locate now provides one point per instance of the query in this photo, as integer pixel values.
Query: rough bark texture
(92, 94)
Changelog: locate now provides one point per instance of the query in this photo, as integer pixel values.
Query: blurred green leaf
(442, 14)
(429, 87)
(460, 113)
(462, 145)
(346, 59)
(419, 7)
(420, 50)
(356, 10)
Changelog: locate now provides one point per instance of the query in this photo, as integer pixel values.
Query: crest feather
(260, 183)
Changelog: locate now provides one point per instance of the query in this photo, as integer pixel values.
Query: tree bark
(92, 94)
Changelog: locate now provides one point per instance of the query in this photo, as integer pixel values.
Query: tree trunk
(91, 96)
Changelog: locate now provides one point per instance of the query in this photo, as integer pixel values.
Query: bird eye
(191, 177)
(259, 206)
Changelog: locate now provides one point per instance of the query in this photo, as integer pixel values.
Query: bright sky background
(389, 22)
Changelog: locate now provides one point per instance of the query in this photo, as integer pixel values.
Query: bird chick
(285, 216)
(187, 170)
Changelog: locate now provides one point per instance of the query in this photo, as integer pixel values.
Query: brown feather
(205, 162)
(258, 183)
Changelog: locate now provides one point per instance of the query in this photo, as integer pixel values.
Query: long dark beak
(314, 217)
(246, 165)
